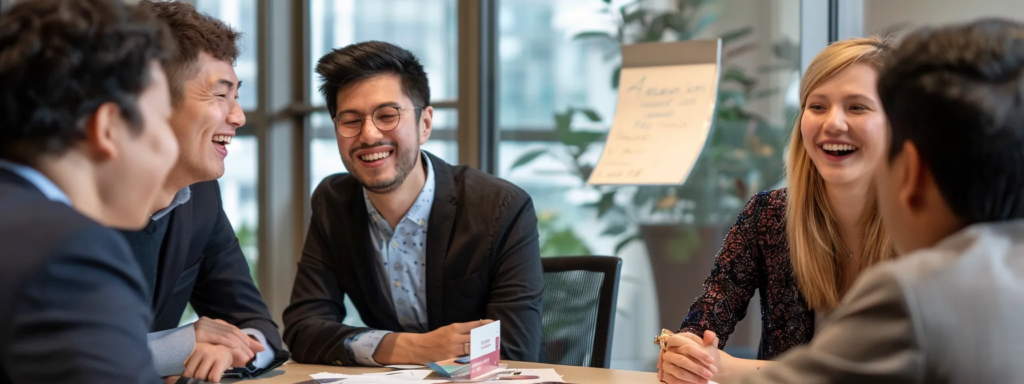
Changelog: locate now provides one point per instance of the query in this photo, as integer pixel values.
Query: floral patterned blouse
(755, 256)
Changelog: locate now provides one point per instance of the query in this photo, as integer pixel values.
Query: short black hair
(957, 94)
(60, 60)
(345, 66)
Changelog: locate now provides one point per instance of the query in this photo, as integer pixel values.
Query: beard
(405, 160)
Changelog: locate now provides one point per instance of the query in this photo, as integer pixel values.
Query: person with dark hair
(952, 194)
(84, 145)
(188, 251)
(423, 249)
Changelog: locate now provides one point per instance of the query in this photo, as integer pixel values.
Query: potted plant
(681, 226)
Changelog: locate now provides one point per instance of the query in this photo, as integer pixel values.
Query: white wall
(881, 15)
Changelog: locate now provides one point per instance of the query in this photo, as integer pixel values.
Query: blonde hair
(812, 229)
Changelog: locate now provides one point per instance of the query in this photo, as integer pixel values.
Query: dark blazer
(72, 297)
(483, 262)
(201, 262)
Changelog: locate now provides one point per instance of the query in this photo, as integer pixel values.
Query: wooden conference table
(293, 373)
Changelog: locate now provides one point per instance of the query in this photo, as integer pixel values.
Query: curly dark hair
(957, 93)
(194, 33)
(61, 59)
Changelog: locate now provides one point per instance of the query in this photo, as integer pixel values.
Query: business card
(484, 349)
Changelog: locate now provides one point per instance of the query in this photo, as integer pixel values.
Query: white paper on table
(419, 376)
(407, 376)
(664, 113)
(546, 374)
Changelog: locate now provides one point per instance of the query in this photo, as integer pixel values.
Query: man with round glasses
(424, 250)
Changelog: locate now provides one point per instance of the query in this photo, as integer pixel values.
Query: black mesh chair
(580, 296)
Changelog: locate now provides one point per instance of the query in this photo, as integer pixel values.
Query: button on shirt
(400, 256)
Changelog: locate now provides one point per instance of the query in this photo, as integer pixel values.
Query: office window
(239, 183)
(427, 28)
(557, 65)
(240, 15)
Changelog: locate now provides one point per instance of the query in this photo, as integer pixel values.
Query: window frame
(280, 122)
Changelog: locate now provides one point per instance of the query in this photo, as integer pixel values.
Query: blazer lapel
(364, 257)
(442, 218)
(173, 253)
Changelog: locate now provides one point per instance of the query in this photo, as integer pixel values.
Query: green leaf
(625, 242)
(737, 34)
(605, 204)
(774, 68)
(528, 157)
(637, 15)
(563, 242)
(733, 52)
(657, 29)
(616, 74)
(727, 96)
(591, 114)
(585, 171)
(592, 35)
(581, 139)
(614, 230)
(563, 120)
(737, 75)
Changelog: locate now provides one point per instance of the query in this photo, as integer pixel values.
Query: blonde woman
(800, 247)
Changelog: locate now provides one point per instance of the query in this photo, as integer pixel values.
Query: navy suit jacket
(72, 300)
(201, 262)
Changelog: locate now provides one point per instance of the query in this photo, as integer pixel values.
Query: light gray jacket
(953, 313)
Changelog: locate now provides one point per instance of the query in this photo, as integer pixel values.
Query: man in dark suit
(423, 249)
(84, 144)
(188, 251)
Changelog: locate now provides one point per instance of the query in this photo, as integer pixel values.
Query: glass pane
(238, 192)
(325, 160)
(238, 189)
(240, 15)
(427, 28)
(885, 18)
(557, 57)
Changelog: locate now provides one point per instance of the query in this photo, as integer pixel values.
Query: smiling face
(381, 160)
(843, 126)
(206, 118)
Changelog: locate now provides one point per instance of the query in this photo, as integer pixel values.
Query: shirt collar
(40, 181)
(420, 209)
(181, 197)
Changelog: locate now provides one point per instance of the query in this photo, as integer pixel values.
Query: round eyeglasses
(385, 118)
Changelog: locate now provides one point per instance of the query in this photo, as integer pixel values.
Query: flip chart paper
(664, 113)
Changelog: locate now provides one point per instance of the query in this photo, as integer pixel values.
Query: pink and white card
(484, 349)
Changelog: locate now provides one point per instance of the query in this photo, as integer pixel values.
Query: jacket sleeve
(224, 288)
(870, 338)
(314, 328)
(517, 287)
(82, 317)
(733, 280)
